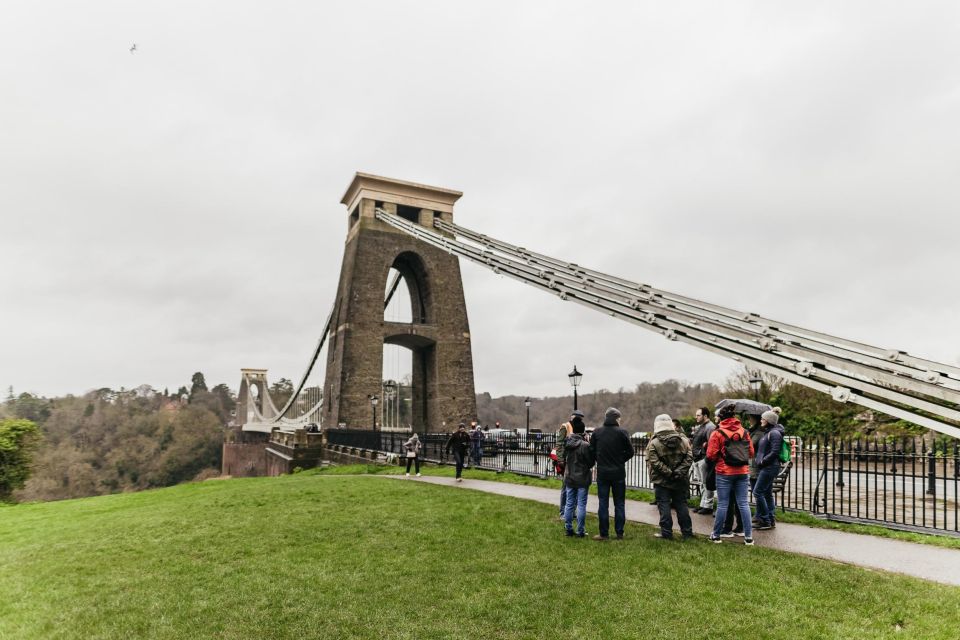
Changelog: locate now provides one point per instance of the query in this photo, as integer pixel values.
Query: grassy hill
(315, 556)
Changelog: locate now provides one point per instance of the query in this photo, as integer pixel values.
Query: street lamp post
(755, 383)
(575, 377)
(526, 403)
(373, 405)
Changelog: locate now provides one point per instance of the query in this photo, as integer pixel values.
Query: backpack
(736, 453)
(785, 451)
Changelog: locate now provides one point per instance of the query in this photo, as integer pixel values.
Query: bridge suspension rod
(893, 361)
(708, 332)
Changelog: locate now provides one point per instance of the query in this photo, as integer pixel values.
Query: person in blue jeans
(730, 449)
(560, 455)
(611, 448)
(768, 467)
(576, 477)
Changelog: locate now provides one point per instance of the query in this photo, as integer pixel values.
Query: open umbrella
(743, 405)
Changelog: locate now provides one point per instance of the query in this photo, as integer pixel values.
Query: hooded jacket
(733, 429)
(611, 448)
(413, 445)
(768, 449)
(579, 461)
(459, 442)
(669, 457)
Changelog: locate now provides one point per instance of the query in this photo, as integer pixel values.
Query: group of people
(608, 449)
(730, 458)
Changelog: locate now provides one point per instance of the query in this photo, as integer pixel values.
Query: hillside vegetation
(314, 556)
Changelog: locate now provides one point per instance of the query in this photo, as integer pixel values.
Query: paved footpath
(919, 560)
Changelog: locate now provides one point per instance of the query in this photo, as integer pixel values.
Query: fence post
(838, 454)
(932, 470)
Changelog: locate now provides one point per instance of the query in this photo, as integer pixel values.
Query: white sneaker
(419, 474)
(459, 479)
(408, 475)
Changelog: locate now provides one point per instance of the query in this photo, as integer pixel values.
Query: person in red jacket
(730, 449)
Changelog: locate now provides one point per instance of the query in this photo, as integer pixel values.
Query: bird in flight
(133, 48)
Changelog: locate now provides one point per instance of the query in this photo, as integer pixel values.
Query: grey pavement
(928, 562)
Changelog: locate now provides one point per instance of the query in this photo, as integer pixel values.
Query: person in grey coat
(411, 449)
(576, 477)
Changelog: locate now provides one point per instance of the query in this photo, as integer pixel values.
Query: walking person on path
(611, 448)
(767, 461)
(702, 435)
(459, 443)
(730, 449)
(576, 479)
(669, 456)
(412, 449)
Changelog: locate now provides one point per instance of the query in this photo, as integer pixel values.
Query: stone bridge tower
(438, 336)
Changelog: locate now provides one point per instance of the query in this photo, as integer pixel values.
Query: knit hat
(663, 422)
(614, 414)
(771, 417)
(577, 412)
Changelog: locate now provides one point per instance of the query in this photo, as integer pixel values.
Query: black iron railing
(911, 483)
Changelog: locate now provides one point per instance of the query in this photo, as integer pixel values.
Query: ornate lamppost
(575, 377)
(755, 383)
(373, 405)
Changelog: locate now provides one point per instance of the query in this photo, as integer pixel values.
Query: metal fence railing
(909, 483)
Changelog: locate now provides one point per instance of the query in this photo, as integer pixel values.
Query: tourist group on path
(731, 458)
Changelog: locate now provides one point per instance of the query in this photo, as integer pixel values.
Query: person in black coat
(459, 444)
(611, 448)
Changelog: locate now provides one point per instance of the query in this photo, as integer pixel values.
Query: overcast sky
(177, 208)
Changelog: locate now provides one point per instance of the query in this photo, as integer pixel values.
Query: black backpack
(736, 452)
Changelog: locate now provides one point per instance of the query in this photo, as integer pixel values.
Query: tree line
(109, 441)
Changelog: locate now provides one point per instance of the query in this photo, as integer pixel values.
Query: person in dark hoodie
(730, 449)
(576, 476)
(669, 457)
(459, 443)
(767, 460)
(611, 448)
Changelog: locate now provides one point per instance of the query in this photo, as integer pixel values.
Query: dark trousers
(415, 459)
(619, 490)
(458, 458)
(676, 498)
(763, 493)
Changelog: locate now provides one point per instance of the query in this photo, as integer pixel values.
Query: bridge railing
(905, 483)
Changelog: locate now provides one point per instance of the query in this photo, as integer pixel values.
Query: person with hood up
(611, 448)
(411, 449)
(476, 442)
(669, 457)
(560, 454)
(459, 443)
(576, 476)
(730, 449)
(768, 468)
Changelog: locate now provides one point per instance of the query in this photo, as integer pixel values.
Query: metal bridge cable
(720, 344)
(313, 361)
(752, 334)
(920, 368)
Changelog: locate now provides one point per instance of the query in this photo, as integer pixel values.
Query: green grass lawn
(795, 517)
(328, 556)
